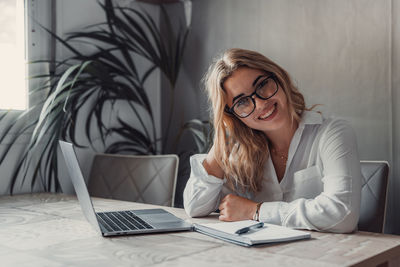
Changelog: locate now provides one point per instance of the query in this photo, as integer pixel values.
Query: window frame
(38, 45)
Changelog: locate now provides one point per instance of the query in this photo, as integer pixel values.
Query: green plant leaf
(85, 86)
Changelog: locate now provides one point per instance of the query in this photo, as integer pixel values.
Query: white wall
(340, 53)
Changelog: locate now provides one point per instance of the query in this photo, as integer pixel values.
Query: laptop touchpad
(160, 218)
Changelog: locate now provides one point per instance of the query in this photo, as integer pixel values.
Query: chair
(147, 179)
(373, 196)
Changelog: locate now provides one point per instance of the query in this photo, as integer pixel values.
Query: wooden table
(50, 230)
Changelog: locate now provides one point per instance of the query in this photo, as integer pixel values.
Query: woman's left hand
(235, 208)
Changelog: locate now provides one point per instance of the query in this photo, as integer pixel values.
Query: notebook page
(230, 227)
(275, 233)
(268, 233)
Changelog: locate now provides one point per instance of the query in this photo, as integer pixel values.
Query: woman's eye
(263, 83)
(243, 101)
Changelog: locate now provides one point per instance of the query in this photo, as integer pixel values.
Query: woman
(273, 160)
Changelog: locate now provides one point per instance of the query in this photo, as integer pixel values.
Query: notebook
(269, 233)
(114, 223)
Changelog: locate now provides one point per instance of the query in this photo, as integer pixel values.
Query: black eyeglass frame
(232, 112)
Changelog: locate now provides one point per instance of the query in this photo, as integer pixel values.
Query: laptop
(113, 223)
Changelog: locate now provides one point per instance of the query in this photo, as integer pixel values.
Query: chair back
(373, 196)
(147, 179)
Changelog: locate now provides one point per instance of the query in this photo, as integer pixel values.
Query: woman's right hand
(211, 165)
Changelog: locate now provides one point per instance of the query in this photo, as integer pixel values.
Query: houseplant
(85, 87)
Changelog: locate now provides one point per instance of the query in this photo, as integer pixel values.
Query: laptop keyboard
(122, 221)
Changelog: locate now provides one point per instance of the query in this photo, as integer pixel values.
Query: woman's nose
(259, 102)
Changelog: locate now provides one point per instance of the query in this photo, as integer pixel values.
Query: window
(13, 89)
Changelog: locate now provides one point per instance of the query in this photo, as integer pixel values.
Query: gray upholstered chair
(373, 196)
(147, 179)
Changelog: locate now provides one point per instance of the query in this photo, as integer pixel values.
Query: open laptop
(114, 223)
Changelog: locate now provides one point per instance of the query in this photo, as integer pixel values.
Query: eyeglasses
(246, 105)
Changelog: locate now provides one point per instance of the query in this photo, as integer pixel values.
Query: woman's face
(269, 115)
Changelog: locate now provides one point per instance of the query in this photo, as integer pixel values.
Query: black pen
(248, 228)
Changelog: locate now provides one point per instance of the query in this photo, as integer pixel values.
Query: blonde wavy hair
(240, 151)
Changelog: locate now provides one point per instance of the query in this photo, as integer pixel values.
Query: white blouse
(321, 188)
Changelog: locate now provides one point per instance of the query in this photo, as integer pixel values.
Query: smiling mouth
(269, 113)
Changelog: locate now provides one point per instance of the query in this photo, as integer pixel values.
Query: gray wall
(342, 54)
(74, 15)
(394, 200)
(71, 15)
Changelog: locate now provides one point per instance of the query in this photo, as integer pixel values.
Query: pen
(248, 228)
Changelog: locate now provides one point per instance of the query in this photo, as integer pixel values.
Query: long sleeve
(203, 191)
(337, 208)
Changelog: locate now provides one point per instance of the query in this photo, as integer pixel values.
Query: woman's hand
(211, 165)
(235, 208)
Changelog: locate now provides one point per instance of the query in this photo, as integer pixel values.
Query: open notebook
(269, 233)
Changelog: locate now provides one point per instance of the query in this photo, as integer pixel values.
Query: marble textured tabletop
(50, 230)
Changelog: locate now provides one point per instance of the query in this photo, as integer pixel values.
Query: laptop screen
(79, 183)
